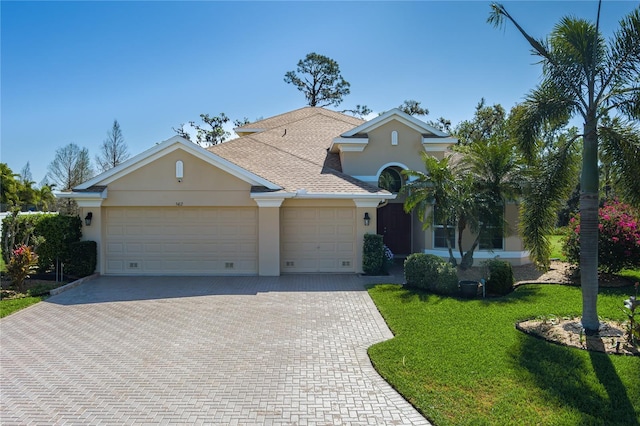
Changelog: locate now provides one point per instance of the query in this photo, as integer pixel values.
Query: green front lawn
(463, 362)
(9, 306)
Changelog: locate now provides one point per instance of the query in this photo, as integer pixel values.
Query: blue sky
(68, 69)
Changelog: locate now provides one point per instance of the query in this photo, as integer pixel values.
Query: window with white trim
(440, 231)
(391, 179)
(492, 231)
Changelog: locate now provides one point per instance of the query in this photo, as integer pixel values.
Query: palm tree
(45, 198)
(494, 168)
(584, 76)
(437, 186)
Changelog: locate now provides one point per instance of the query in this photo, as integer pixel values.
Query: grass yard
(9, 306)
(462, 362)
(556, 247)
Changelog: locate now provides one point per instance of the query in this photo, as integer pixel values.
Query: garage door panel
(181, 241)
(317, 239)
(113, 248)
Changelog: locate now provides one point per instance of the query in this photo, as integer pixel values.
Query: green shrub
(499, 277)
(430, 272)
(415, 270)
(82, 258)
(618, 237)
(19, 229)
(59, 233)
(373, 259)
(447, 281)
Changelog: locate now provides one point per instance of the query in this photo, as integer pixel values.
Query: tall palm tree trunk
(589, 227)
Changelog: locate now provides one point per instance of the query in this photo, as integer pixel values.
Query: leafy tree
(359, 111)
(8, 187)
(486, 122)
(441, 124)
(319, 78)
(585, 76)
(180, 131)
(113, 150)
(70, 167)
(242, 122)
(212, 133)
(412, 107)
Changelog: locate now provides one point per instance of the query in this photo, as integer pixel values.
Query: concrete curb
(73, 284)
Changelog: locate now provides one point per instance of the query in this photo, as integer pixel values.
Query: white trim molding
(348, 144)
(438, 144)
(84, 199)
(399, 115)
(515, 257)
(171, 145)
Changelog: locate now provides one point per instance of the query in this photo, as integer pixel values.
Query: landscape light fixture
(367, 219)
(87, 218)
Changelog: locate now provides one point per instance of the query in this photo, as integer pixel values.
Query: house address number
(179, 203)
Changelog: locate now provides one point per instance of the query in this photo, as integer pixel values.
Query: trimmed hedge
(430, 272)
(59, 233)
(55, 236)
(500, 277)
(373, 259)
(82, 258)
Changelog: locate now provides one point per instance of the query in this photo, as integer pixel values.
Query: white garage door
(180, 240)
(318, 239)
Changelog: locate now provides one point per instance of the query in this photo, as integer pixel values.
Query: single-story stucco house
(293, 193)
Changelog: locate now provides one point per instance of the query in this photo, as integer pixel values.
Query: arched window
(391, 179)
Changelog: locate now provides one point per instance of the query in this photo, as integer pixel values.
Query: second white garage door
(166, 240)
(318, 239)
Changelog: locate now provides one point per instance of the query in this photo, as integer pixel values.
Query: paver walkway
(247, 350)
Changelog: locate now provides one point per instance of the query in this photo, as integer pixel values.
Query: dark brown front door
(395, 226)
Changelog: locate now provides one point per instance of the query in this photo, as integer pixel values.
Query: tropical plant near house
(494, 168)
(584, 76)
(469, 192)
(439, 186)
(23, 261)
(618, 238)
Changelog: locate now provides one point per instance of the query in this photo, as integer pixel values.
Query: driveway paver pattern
(199, 350)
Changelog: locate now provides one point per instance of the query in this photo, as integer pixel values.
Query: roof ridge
(314, 111)
(337, 173)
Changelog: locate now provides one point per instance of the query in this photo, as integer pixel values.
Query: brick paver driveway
(282, 350)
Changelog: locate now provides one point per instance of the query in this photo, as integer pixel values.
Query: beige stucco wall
(379, 151)
(513, 242)
(155, 184)
(513, 245)
(269, 241)
(93, 232)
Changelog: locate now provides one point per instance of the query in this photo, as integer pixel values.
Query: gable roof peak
(395, 114)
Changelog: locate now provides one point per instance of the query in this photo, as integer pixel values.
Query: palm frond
(623, 58)
(549, 183)
(620, 145)
(496, 18)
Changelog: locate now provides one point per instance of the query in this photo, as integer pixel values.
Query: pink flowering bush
(618, 238)
(22, 262)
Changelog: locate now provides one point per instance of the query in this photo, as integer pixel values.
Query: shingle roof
(292, 152)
